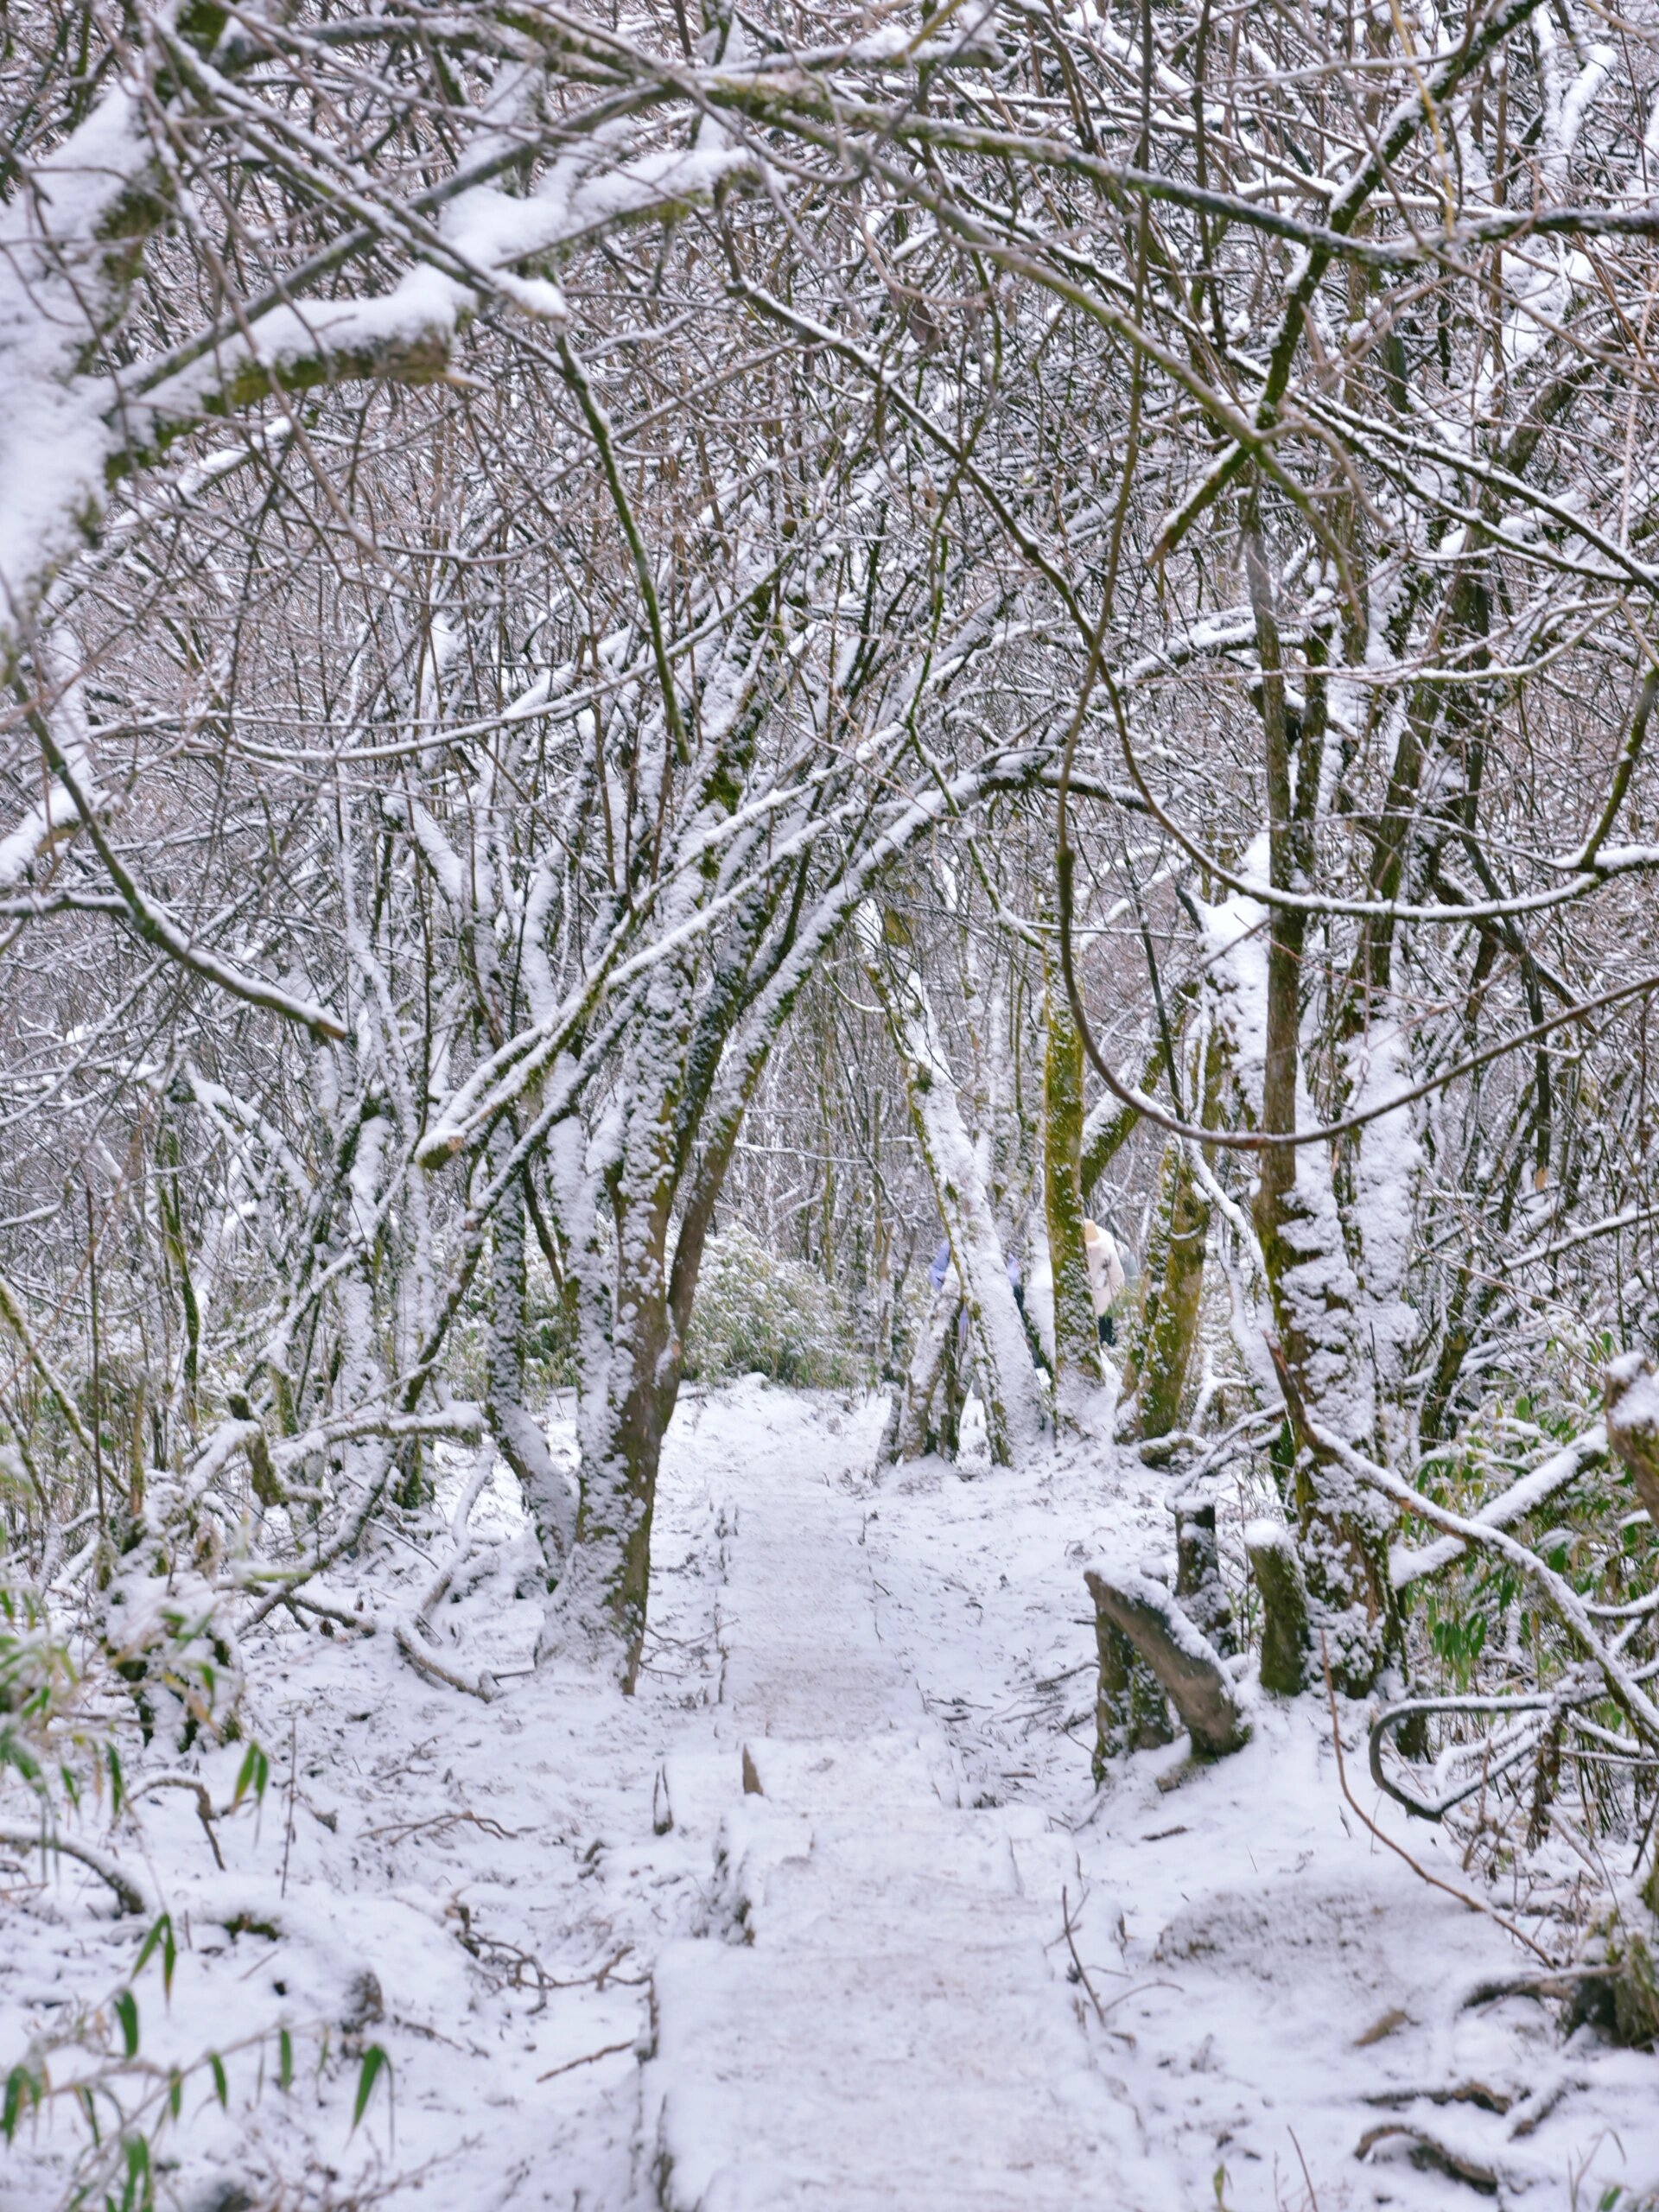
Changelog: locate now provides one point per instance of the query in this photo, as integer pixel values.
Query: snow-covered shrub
(549, 1336)
(40, 1738)
(165, 1630)
(1477, 1614)
(550, 1328)
(757, 1313)
(133, 2115)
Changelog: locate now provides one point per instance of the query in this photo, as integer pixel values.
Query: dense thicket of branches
(563, 572)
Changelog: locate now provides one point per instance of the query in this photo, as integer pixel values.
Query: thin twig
(204, 1803)
(293, 1783)
(483, 1687)
(1399, 1850)
(1313, 2194)
(129, 1893)
(609, 2051)
(400, 1831)
(1081, 1971)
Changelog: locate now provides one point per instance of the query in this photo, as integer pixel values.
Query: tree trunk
(1006, 1378)
(1077, 1375)
(912, 1430)
(1285, 1643)
(1171, 1326)
(628, 1382)
(517, 1431)
(1185, 1663)
(1315, 1296)
(628, 1361)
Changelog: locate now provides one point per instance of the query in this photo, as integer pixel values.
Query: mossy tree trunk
(1170, 1328)
(1344, 1532)
(1078, 1372)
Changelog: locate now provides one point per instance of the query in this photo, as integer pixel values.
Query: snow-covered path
(873, 2019)
(611, 1978)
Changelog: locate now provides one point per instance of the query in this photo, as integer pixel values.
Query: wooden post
(1284, 1641)
(1198, 1574)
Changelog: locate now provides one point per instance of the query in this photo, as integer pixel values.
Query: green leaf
(139, 2194)
(21, 2088)
(284, 2059)
(174, 2093)
(118, 1784)
(126, 2010)
(375, 2062)
(161, 1935)
(221, 2087)
(255, 1774)
(154, 1937)
(26, 1768)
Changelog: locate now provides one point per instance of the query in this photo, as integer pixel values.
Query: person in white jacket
(1106, 1276)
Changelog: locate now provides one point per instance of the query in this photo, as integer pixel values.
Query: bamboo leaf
(21, 2088)
(126, 2010)
(254, 1775)
(375, 2062)
(139, 2194)
(160, 1937)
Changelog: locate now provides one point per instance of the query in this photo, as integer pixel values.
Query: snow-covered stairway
(875, 2019)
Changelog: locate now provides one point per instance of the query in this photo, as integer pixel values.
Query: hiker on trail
(1106, 1276)
(940, 1267)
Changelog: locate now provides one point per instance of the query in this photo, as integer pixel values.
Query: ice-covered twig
(1399, 1850)
(198, 1788)
(413, 1636)
(481, 1685)
(129, 1892)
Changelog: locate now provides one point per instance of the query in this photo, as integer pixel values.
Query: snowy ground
(862, 1745)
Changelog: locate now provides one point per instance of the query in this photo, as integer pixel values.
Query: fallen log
(1185, 1663)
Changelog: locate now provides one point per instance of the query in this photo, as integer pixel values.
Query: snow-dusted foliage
(758, 1314)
